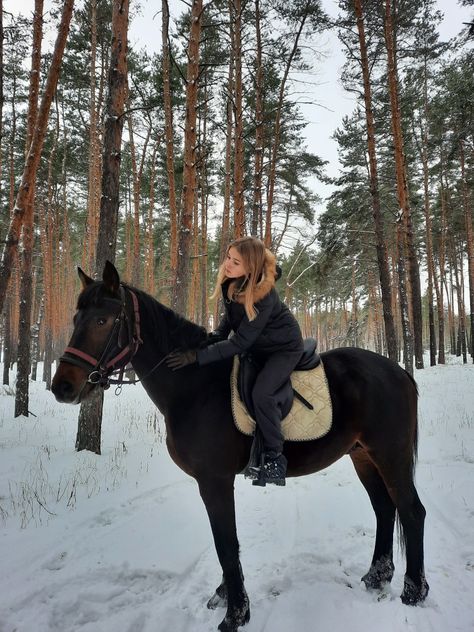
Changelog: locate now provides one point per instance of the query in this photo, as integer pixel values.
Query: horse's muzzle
(64, 391)
(68, 384)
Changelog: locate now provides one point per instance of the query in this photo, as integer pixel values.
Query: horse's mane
(171, 331)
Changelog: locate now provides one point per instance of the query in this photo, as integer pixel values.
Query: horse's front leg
(218, 496)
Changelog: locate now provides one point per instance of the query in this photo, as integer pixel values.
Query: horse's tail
(414, 457)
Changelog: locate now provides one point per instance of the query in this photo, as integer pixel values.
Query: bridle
(126, 332)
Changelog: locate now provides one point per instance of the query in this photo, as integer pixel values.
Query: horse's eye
(101, 321)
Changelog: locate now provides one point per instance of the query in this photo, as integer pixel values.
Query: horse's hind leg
(411, 513)
(381, 568)
(218, 497)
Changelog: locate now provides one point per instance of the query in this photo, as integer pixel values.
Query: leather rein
(126, 330)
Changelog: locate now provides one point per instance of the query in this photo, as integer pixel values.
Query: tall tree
(169, 137)
(90, 416)
(239, 210)
(382, 260)
(258, 168)
(405, 226)
(189, 197)
(298, 14)
(34, 154)
(26, 271)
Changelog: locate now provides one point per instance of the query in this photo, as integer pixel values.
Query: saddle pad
(301, 424)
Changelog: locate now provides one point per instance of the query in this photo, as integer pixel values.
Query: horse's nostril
(62, 390)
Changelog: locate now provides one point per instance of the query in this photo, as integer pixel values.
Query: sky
(333, 102)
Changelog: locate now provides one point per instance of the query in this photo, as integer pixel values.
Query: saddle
(249, 368)
(305, 401)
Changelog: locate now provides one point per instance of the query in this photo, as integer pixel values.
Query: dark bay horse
(374, 421)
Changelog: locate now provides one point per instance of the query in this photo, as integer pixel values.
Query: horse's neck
(162, 331)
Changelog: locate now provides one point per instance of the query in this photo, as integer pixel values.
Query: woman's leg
(271, 378)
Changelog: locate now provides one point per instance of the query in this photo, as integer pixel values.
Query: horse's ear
(111, 277)
(85, 280)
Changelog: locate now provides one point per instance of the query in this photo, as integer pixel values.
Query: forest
(155, 162)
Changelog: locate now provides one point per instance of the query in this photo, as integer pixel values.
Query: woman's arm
(244, 337)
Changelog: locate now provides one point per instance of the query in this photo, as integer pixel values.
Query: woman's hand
(180, 359)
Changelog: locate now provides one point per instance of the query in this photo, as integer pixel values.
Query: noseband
(127, 330)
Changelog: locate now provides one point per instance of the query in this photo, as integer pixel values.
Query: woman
(262, 324)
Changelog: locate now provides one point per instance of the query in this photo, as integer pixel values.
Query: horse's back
(369, 383)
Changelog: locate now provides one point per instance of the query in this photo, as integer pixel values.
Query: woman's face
(233, 264)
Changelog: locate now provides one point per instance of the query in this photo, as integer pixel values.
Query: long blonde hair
(253, 253)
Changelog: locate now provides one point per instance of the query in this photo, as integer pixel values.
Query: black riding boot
(272, 469)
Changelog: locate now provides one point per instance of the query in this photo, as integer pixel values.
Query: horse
(374, 421)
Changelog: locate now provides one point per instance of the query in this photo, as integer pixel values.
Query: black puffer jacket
(273, 330)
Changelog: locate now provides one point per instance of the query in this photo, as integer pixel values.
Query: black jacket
(273, 330)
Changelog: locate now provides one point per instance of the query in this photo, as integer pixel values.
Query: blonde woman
(262, 324)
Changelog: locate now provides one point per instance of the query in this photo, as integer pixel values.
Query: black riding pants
(276, 370)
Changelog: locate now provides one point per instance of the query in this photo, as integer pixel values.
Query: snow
(121, 543)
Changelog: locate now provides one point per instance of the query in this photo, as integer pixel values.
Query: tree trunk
(442, 262)
(459, 280)
(382, 260)
(34, 154)
(149, 276)
(90, 416)
(403, 299)
(277, 129)
(225, 235)
(1, 94)
(239, 210)
(402, 188)
(137, 174)
(258, 169)
(26, 271)
(469, 244)
(181, 289)
(203, 203)
(7, 343)
(93, 197)
(169, 135)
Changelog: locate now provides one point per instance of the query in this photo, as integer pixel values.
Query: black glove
(179, 359)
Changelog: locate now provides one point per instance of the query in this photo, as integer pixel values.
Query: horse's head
(105, 337)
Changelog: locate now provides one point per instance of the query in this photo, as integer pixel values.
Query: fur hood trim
(267, 282)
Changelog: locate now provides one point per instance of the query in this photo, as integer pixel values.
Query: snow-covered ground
(121, 542)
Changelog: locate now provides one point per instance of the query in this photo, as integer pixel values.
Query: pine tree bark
(137, 175)
(34, 154)
(169, 137)
(239, 210)
(26, 261)
(440, 285)
(93, 194)
(381, 248)
(258, 168)
(469, 243)
(1, 93)
(7, 343)
(225, 233)
(90, 416)
(181, 289)
(149, 277)
(408, 351)
(402, 188)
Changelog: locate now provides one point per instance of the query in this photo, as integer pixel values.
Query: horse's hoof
(413, 594)
(238, 617)
(218, 599)
(379, 574)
